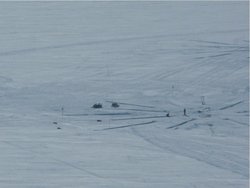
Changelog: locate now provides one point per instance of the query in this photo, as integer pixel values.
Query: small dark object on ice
(185, 112)
(99, 120)
(115, 105)
(59, 128)
(97, 105)
(168, 115)
(55, 123)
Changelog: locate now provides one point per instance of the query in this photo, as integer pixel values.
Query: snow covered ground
(153, 58)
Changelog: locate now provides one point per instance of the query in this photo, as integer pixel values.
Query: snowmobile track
(100, 114)
(174, 126)
(129, 104)
(141, 110)
(147, 117)
(130, 125)
(231, 105)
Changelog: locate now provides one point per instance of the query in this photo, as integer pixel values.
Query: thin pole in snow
(62, 110)
(203, 100)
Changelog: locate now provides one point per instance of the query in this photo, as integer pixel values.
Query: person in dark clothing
(185, 112)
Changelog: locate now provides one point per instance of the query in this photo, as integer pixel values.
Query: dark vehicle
(97, 105)
(115, 105)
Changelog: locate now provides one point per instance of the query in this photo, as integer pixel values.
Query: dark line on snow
(100, 114)
(125, 126)
(230, 106)
(129, 104)
(141, 110)
(148, 117)
(181, 123)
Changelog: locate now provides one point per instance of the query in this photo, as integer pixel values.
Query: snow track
(182, 123)
(130, 125)
(154, 59)
(204, 154)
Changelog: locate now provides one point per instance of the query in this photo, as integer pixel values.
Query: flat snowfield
(146, 63)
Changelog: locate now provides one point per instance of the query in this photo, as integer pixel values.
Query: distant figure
(168, 115)
(185, 112)
(97, 105)
(62, 110)
(203, 100)
(115, 105)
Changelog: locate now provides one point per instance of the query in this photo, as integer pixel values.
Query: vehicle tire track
(182, 123)
(231, 105)
(195, 155)
(130, 125)
(53, 158)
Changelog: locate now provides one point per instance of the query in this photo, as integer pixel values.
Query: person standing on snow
(185, 112)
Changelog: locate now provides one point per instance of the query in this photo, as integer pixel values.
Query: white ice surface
(165, 55)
